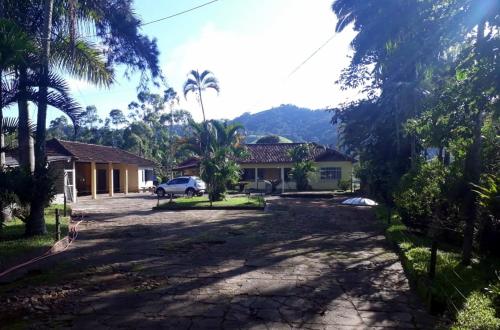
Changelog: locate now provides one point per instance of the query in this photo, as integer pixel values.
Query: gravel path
(304, 264)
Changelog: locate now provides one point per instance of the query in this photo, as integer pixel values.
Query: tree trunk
(23, 137)
(472, 174)
(201, 104)
(472, 170)
(36, 223)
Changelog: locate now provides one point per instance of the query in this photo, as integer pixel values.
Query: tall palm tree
(197, 83)
(36, 222)
(171, 98)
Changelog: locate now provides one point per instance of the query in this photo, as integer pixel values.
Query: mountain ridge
(292, 122)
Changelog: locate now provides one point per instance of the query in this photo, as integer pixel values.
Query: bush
(345, 185)
(420, 193)
(477, 313)
(453, 280)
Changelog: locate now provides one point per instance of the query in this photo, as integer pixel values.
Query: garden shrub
(420, 193)
(345, 185)
(477, 313)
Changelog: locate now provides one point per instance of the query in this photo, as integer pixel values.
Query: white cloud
(253, 67)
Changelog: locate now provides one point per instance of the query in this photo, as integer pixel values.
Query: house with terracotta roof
(91, 169)
(272, 162)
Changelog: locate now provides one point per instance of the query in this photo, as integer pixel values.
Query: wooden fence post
(432, 265)
(64, 209)
(58, 226)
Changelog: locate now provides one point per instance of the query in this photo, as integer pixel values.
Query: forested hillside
(292, 122)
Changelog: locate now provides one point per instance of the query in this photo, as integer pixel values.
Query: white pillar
(126, 179)
(282, 180)
(110, 179)
(74, 182)
(256, 174)
(93, 180)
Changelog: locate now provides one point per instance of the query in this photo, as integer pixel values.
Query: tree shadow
(311, 266)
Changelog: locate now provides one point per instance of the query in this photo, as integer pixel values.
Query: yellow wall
(83, 177)
(315, 179)
(133, 178)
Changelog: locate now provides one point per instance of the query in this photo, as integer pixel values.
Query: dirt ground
(306, 264)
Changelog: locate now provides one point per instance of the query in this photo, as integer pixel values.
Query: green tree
(117, 117)
(429, 69)
(197, 83)
(216, 143)
(115, 26)
(303, 166)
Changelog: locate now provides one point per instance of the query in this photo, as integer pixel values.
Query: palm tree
(13, 44)
(36, 222)
(171, 98)
(216, 144)
(197, 83)
(116, 26)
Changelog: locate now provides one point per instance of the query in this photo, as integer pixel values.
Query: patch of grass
(13, 244)
(203, 203)
(456, 289)
(478, 313)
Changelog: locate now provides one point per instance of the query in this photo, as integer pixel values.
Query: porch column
(74, 182)
(110, 179)
(282, 180)
(256, 174)
(93, 180)
(126, 179)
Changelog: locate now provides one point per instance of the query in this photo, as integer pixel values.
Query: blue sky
(251, 46)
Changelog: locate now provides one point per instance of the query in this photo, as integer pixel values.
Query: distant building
(272, 162)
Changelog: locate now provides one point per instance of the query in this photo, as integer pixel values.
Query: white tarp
(359, 201)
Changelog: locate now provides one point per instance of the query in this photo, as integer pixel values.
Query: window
(148, 175)
(182, 181)
(330, 173)
(248, 174)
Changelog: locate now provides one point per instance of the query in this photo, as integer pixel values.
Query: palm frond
(9, 92)
(189, 86)
(212, 85)
(10, 125)
(82, 60)
(206, 74)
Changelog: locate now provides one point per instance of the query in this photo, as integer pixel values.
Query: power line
(312, 55)
(170, 16)
(179, 13)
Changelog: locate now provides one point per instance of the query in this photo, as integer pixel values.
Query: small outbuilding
(91, 169)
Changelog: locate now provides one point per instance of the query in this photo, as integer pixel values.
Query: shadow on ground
(309, 264)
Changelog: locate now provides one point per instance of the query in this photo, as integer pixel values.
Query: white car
(184, 185)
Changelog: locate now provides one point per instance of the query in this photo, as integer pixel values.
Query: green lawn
(457, 290)
(14, 244)
(185, 203)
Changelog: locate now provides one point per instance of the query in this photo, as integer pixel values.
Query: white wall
(141, 175)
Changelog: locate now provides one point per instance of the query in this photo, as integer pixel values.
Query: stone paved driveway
(304, 264)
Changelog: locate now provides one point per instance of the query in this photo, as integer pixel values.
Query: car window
(173, 181)
(182, 180)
